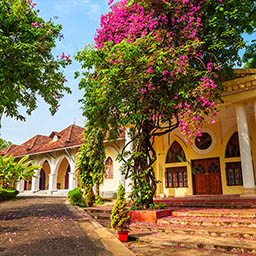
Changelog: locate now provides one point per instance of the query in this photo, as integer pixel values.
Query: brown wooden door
(67, 178)
(206, 176)
(42, 180)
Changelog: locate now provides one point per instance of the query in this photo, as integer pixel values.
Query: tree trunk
(98, 189)
(144, 178)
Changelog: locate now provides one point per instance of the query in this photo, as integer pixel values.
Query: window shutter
(166, 179)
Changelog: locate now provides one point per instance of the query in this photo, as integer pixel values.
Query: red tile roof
(72, 136)
(6, 150)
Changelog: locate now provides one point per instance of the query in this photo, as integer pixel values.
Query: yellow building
(224, 161)
(56, 155)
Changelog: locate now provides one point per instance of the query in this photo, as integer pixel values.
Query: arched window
(109, 168)
(233, 169)
(175, 154)
(175, 176)
(232, 149)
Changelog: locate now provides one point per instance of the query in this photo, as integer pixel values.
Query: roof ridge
(34, 142)
(70, 132)
(9, 148)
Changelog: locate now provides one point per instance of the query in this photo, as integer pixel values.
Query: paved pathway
(44, 227)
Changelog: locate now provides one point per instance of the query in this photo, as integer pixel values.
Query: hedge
(7, 194)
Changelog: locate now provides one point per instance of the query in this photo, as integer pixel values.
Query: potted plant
(120, 215)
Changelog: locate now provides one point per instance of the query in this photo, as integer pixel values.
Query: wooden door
(42, 180)
(206, 176)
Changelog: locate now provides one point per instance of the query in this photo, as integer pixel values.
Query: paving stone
(196, 231)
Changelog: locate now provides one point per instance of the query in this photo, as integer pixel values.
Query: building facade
(56, 155)
(224, 160)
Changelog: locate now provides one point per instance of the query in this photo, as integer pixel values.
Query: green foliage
(91, 157)
(7, 194)
(98, 200)
(27, 65)
(157, 206)
(120, 218)
(75, 197)
(4, 143)
(11, 171)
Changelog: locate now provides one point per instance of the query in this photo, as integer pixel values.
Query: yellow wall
(61, 173)
(162, 145)
(112, 149)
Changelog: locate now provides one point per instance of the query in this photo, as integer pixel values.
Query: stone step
(209, 203)
(176, 251)
(98, 210)
(209, 221)
(172, 230)
(249, 213)
(230, 245)
(105, 222)
(100, 215)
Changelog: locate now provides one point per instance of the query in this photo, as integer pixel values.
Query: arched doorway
(44, 175)
(67, 177)
(63, 174)
(42, 180)
(27, 184)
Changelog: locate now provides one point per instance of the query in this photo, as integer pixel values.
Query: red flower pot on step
(123, 236)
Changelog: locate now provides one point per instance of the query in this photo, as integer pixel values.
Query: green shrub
(75, 196)
(99, 200)
(7, 194)
(157, 206)
(120, 218)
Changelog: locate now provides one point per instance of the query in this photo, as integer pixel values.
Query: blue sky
(80, 19)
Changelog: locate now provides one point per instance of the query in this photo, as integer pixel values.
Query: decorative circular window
(205, 143)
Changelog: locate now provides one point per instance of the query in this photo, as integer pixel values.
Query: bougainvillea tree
(155, 67)
(27, 65)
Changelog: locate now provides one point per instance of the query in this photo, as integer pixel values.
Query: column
(35, 182)
(245, 151)
(20, 186)
(128, 181)
(52, 182)
(72, 176)
(122, 178)
(254, 107)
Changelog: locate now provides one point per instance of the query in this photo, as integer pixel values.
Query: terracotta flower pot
(123, 236)
(90, 204)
